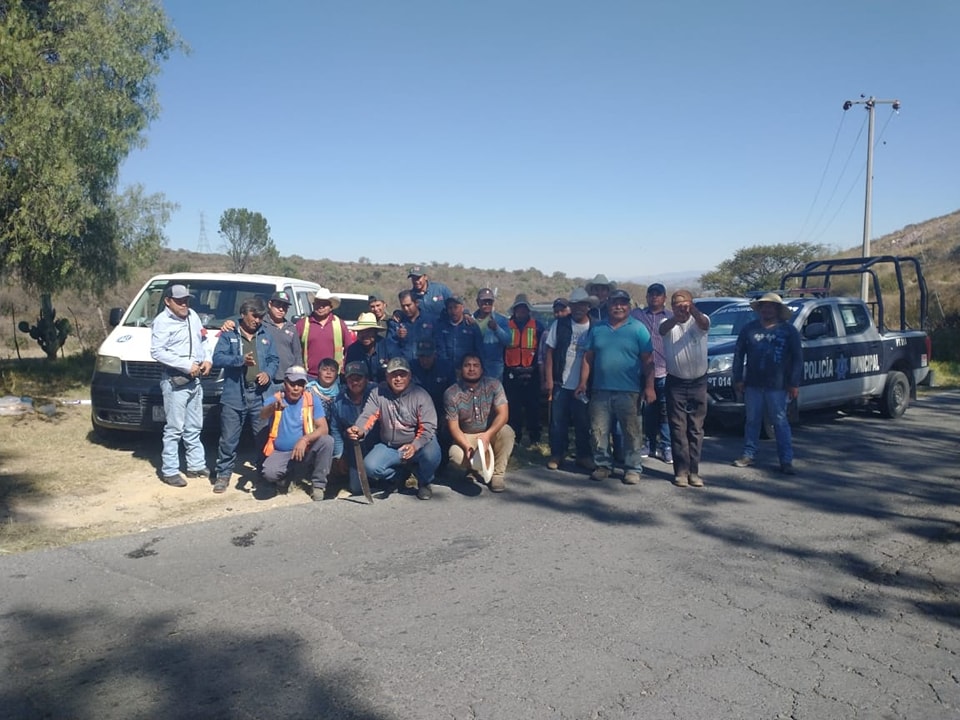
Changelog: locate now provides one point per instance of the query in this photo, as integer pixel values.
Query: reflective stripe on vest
(522, 350)
(277, 414)
(337, 342)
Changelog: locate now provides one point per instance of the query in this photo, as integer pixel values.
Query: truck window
(855, 318)
(819, 323)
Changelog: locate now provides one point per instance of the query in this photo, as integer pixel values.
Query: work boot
(696, 480)
(221, 485)
(174, 480)
(497, 484)
(553, 463)
(201, 473)
(424, 492)
(745, 461)
(680, 481)
(600, 473)
(631, 477)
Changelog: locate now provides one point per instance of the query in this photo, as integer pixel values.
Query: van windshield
(214, 300)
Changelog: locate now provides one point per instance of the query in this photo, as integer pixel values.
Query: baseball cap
(398, 364)
(177, 292)
(485, 294)
(280, 297)
(621, 295)
(415, 271)
(295, 373)
(355, 368)
(656, 289)
(426, 348)
(561, 302)
(454, 299)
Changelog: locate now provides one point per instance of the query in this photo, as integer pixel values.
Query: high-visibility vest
(275, 427)
(337, 340)
(522, 350)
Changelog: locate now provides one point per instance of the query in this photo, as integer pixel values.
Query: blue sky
(628, 138)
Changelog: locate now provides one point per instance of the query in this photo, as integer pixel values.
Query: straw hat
(482, 460)
(784, 311)
(368, 321)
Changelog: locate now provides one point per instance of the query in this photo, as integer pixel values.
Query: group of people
(397, 395)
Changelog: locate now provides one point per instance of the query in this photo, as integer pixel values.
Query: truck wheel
(896, 395)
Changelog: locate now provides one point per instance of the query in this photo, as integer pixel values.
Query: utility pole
(870, 103)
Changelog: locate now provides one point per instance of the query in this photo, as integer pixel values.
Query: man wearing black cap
(496, 333)
(618, 353)
(177, 343)
(656, 427)
(284, 334)
(431, 296)
(344, 411)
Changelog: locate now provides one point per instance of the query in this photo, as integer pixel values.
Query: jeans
(316, 460)
(755, 401)
(622, 406)
(564, 410)
(382, 462)
(686, 410)
(655, 418)
(231, 426)
(183, 408)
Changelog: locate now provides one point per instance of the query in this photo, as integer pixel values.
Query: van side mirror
(115, 315)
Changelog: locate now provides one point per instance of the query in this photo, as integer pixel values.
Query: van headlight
(720, 363)
(108, 365)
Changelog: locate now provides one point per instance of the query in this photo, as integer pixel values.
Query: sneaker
(586, 463)
(221, 485)
(745, 461)
(553, 463)
(201, 473)
(680, 481)
(600, 473)
(631, 477)
(174, 480)
(668, 456)
(695, 480)
(425, 492)
(645, 449)
(788, 469)
(497, 484)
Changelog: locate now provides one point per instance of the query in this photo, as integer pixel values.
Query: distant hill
(936, 242)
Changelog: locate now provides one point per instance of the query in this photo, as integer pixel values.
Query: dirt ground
(59, 483)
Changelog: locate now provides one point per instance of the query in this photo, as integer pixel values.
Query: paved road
(832, 594)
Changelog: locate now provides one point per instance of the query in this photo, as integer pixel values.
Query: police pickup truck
(850, 356)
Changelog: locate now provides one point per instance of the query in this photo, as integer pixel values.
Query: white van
(125, 390)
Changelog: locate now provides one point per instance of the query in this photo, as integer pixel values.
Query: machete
(362, 472)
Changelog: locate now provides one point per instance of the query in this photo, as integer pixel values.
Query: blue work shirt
(433, 300)
(774, 356)
(228, 354)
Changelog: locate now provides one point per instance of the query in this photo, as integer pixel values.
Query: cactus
(49, 332)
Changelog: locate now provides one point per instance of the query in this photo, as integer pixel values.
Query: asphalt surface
(831, 594)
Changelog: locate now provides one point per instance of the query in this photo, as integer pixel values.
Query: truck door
(861, 351)
(821, 346)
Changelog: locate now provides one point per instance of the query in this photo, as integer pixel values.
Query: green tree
(247, 240)
(76, 93)
(141, 220)
(759, 267)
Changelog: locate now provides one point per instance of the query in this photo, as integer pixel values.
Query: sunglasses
(486, 302)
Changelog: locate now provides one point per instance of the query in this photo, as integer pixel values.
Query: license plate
(157, 414)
